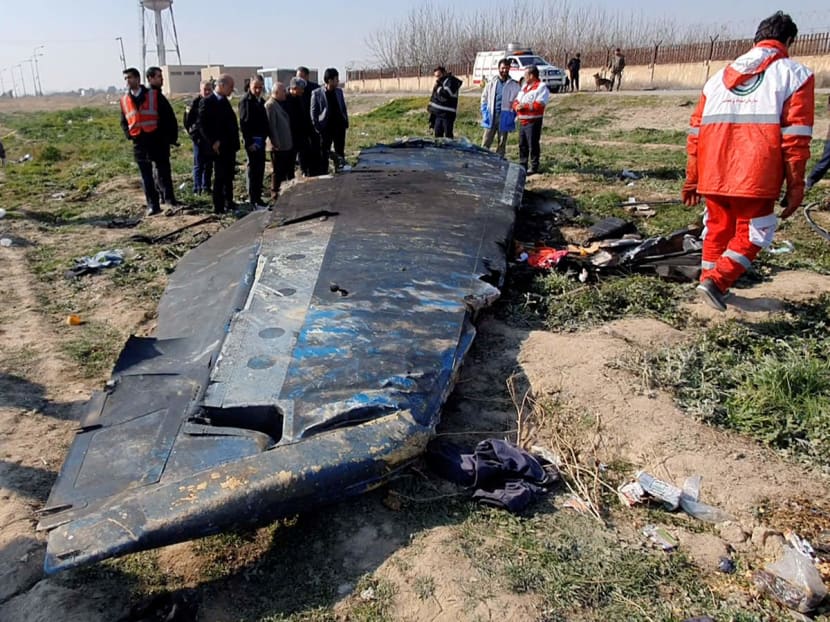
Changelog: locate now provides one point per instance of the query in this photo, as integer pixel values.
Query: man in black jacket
(202, 162)
(574, 65)
(310, 162)
(443, 103)
(220, 130)
(169, 129)
(254, 124)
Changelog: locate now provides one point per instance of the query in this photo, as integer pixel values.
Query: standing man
(301, 128)
(574, 65)
(750, 132)
(497, 116)
(220, 131)
(279, 137)
(169, 133)
(202, 162)
(331, 120)
(530, 110)
(254, 124)
(616, 66)
(313, 165)
(823, 165)
(443, 103)
(140, 123)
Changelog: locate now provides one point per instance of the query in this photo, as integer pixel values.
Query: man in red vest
(530, 110)
(140, 122)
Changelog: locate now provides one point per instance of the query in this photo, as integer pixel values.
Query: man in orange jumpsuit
(750, 132)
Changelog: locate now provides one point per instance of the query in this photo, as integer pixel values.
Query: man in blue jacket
(497, 116)
(330, 118)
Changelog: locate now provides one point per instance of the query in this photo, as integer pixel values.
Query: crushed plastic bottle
(691, 504)
(665, 492)
(6, 242)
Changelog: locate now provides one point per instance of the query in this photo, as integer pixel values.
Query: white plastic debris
(5, 242)
(2, 213)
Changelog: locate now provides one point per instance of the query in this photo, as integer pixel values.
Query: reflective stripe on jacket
(144, 118)
(531, 101)
(752, 126)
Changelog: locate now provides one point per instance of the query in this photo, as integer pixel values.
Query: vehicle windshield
(532, 60)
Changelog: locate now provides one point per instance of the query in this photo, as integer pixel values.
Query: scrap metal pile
(610, 245)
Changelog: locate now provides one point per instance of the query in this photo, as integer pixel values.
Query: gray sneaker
(711, 295)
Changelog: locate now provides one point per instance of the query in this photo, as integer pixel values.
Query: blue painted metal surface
(301, 355)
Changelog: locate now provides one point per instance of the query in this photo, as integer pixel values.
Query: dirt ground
(43, 395)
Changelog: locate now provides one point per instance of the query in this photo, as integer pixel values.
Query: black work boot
(711, 295)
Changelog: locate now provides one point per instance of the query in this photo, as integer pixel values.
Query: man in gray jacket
(497, 116)
(279, 137)
(331, 119)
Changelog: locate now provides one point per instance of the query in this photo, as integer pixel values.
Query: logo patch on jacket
(749, 86)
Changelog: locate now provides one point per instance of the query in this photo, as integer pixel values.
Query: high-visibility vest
(144, 118)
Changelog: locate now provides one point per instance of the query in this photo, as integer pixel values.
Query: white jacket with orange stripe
(753, 117)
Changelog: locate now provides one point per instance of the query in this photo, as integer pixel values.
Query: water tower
(157, 15)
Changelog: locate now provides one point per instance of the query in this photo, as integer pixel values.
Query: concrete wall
(179, 79)
(677, 76)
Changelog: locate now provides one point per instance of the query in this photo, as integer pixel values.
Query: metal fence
(814, 44)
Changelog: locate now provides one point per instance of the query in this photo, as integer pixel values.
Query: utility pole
(39, 87)
(123, 56)
(32, 67)
(2, 83)
(22, 78)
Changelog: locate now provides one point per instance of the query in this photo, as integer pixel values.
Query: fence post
(711, 53)
(654, 60)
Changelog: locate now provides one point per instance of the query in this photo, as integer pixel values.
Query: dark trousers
(282, 165)
(163, 175)
(224, 168)
(529, 136)
(616, 77)
(144, 158)
(202, 169)
(310, 161)
(443, 126)
(821, 167)
(256, 175)
(575, 81)
(335, 138)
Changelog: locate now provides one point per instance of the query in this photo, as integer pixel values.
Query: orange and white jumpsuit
(751, 130)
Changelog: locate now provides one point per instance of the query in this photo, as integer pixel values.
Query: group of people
(305, 123)
(615, 65)
(748, 136)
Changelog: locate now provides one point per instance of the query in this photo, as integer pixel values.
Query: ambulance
(486, 66)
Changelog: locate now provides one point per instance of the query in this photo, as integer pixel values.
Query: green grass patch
(94, 348)
(397, 107)
(569, 305)
(584, 573)
(649, 136)
(769, 380)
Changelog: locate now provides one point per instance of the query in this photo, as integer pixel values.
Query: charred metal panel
(301, 355)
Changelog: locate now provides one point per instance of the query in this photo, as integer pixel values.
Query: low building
(278, 74)
(239, 74)
(181, 79)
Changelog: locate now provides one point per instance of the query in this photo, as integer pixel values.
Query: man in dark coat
(312, 165)
(574, 65)
(300, 120)
(443, 103)
(202, 162)
(169, 133)
(331, 120)
(254, 125)
(220, 130)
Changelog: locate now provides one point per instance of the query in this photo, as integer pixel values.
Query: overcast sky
(80, 49)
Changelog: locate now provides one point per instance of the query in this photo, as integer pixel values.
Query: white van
(487, 66)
